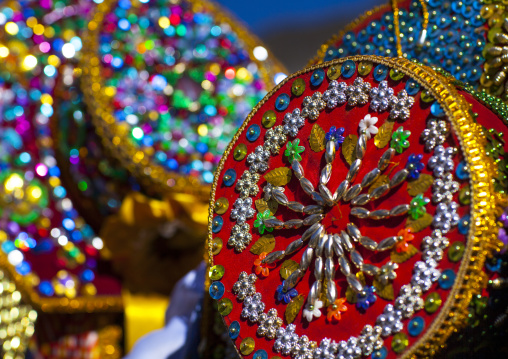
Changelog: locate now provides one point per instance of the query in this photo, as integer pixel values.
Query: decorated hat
(465, 38)
(362, 219)
(168, 84)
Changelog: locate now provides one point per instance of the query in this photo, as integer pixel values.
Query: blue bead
(46, 288)
(260, 354)
(380, 73)
(282, 102)
(415, 326)
(348, 69)
(380, 354)
(216, 290)
(253, 133)
(229, 177)
(412, 87)
(462, 171)
(317, 77)
(464, 224)
(436, 110)
(446, 279)
(217, 223)
(234, 330)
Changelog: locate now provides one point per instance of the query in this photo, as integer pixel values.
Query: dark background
(294, 29)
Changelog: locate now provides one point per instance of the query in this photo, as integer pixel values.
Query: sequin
(253, 133)
(240, 152)
(216, 246)
(412, 87)
(216, 290)
(426, 97)
(247, 346)
(268, 119)
(297, 89)
(432, 302)
(216, 272)
(364, 68)
(317, 77)
(399, 342)
(447, 279)
(380, 354)
(234, 330)
(229, 177)
(464, 223)
(224, 306)
(221, 205)
(436, 110)
(415, 326)
(465, 196)
(333, 72)
(380, 73)
(217, 223)
(396, 75)
(348, 69)
(462, 171)
(260, 354)
(456, 251)
(282, 102)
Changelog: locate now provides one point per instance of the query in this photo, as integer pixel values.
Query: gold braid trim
(482, 239)
(115, 138)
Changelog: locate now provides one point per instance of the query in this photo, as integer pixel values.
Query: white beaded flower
(382, 97)
(409, 300)
(335, 94)
(258, 160)
(444, 188)
(253, 307)
(435, 134)
(446, 216)
(400, 107)
(240, 237)
(312, 310)
(247, 185)
(390, 321)
(442, 161)
(425, 273)
(367, 126)
(286, 340)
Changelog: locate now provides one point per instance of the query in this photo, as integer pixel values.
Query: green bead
(456, 251)
(364, 68)
(297, 88)
(399, 342)
(216, 246)
(240, 152)
(396, 75)
(432, 302)
(269, 119)
(427, 97)
(225, 306)
(247, 346)
(333, 72)
(216, 272)
(465, 196)
(221, 205)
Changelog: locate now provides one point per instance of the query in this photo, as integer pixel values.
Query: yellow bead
(221, 205)
(247, 346)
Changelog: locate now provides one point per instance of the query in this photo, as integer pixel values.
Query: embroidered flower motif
(312, 310)
(293, 122)
(263, 269)
(367, 126)
(335, 135)
(382, 97)
(446, 216)
(245, 287)
(366, 298)
(240, 237)
(293, 150)
(274, 138)
(259, 222)
(435, 134)
(444, 188)
(247, 184)
(285, 296)
(269, 323)
(442, 161)
(425, 273)
(417, 206)
(409, 300)
(390, 321)
(335, 94)
(399, 140)
(312, 105)
(400, 107)
(253, 307)
(407, 237)
(286, 340)
(433, 245)
(414, 165)
(358, 92)
(243, 210)
(258, 160)
(387, 273)
(335, 310)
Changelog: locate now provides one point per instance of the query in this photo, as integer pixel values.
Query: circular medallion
(343, 214)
